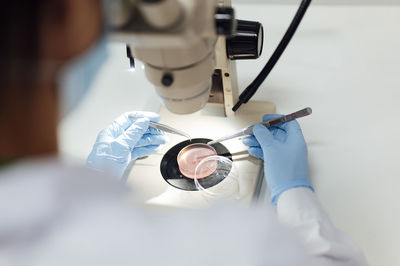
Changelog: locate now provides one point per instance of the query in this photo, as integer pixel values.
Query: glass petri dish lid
(227, 185)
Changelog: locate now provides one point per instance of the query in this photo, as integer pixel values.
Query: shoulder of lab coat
(36, 194)
(53, 214)
(327, 245)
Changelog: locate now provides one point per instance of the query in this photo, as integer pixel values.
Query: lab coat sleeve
(299, 209)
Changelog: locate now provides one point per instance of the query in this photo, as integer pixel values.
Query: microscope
(189, 49)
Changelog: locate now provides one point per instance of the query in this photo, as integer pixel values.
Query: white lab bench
(344, 63)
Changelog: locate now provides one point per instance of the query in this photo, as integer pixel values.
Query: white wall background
(344, 63)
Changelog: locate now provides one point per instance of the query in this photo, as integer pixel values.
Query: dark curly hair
(20, 23)
(19, 45)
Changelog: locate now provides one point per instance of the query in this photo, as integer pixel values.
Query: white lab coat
(54, 214)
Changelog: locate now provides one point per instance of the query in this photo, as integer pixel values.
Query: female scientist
(57, 214)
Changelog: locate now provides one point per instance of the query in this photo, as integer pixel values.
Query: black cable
(246, 95)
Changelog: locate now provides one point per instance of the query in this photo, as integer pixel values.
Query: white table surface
(344, 63)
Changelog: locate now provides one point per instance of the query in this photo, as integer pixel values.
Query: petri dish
(228, 185)
(190, 156)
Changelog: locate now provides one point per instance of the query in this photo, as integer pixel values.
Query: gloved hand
(285, 156)
(126, 139)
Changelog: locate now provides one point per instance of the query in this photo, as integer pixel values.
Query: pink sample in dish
(190, 156)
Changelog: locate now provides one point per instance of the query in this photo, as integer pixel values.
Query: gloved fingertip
(135, 132)
(154, 117)
(292, 126)
(260, 130)
(247, 140)
(159, 140)
(263, 135)
(154, 131)
(256, 152)
(267, 117)
(116, 128)
(250, 141)
(150, 139)
(142, 123)
(142, 120)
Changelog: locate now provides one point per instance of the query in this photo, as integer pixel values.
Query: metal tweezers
(165, 128)
(249, 129)
(169, 129)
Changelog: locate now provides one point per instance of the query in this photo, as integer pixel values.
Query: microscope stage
(146, 178)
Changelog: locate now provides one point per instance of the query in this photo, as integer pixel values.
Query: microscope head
(177, 42)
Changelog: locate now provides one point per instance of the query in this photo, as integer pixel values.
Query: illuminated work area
(200, 132)
(343, 64)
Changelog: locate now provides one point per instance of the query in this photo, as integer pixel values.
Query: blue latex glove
(285, 155)
(126, 139)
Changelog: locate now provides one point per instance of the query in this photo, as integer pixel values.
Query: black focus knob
(248, 41)
(225, 22)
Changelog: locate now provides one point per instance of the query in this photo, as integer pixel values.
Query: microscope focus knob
(248, 41)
